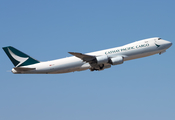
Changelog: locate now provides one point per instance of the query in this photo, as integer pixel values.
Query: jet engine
(105, 59)
(102, 59)
(103, 62)
(116, 60)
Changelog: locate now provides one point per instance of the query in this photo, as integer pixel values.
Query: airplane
(95, 61)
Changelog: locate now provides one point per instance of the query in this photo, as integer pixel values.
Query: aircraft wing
(86, 58)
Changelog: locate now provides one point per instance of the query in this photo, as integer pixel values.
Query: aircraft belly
(140, 55)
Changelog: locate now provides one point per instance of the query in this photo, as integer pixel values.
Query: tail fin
(19, 58)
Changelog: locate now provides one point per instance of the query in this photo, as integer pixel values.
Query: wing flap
(86, 58)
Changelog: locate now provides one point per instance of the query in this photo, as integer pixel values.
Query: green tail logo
(19, 58)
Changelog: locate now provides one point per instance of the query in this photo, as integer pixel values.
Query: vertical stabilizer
(19, 58)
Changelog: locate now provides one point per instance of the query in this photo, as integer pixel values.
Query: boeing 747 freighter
(100, 60)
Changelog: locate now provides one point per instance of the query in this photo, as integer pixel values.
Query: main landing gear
(97, 68)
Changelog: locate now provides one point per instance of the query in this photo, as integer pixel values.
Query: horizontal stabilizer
(23, 69)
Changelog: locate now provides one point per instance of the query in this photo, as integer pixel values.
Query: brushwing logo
(17, 58)
(157, 45)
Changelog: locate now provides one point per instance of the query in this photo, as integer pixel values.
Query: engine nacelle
(102, 59)
(116, 60)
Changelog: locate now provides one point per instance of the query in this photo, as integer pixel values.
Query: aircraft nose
(169, 44)
(165, 44)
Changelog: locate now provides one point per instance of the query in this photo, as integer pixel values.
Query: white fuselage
(130, 51)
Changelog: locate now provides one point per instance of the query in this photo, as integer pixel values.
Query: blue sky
(139, 89)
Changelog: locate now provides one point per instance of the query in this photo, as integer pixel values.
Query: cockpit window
(159, 38)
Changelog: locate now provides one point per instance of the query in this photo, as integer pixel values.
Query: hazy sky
(141, 89)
